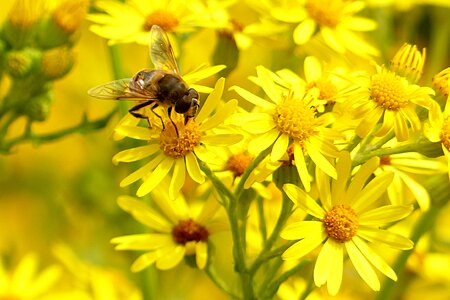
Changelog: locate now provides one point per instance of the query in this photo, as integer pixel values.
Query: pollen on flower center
(293, 118)
(325, 13)
(445, 133)
(180, 145)
(188, 231)
(387, 90)
(163, 19)
(385, 160)
(341, 223)
(238, 163)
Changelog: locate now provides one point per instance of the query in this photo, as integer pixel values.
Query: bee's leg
(159, 117)
(169, 111)
(134, 110)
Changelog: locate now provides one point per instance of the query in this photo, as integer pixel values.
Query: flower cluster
(345, 144)
(285, 149)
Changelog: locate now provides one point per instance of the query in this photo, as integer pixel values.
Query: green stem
(240, 187)
(84, 126)
(118, 72)
(262, 221)
(238, 243)
(222, 190)
(273, 288)
(286, 210)
(361, 158)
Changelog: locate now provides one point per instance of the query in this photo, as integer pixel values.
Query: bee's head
(188, 104)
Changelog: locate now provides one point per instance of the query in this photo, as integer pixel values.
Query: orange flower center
(341, 223)
(388, 91)
(325, 13)
(238, 163)
(178, 142)
(189, 231)
(163, 19)
(294, 118)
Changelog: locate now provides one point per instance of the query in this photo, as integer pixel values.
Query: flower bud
(59, 28)
(22, 22)
(22, 63)
(38, 107)
(56, 62)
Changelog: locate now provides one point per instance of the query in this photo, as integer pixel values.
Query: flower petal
(142, 171)
(262, 142)
(384, 214)
(372, 192)
(155, 177)
(250, 97)
(135, 154)
(144, 214)
(170, 257)
(374, 258)
(211, 102)
(193, 168)
(385, 237)
(280, 147)
(201, 254)
(301, 230)
(303, 247)
(178, 178)
(304, 31)
(144, 261)
(302, 169)
(223, 113)
(362, 266)
(304, 201)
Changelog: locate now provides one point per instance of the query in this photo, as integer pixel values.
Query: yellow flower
(131, 21)
(289, 122)
(179, 145)
(334, 19)
(332, 87)
(437, 129)
(24, 283)
(176, 231)
(91, 282)
(406, 167)
(346, 218)
(388, 96)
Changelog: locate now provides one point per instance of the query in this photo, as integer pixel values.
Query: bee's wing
(120, 89)
(161, 52)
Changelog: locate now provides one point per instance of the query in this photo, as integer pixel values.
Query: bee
(162, 86)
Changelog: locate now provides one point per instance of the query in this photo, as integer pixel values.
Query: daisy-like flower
(332, 88)
(24, 283)
(176, 230)
(289, 121)
(179, 145)
(390, 98)
(437, 129)
(335, 19)
(346, 218)
(131, 21)
(406, 166)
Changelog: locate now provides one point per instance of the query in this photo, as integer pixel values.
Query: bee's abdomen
(171, 88)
